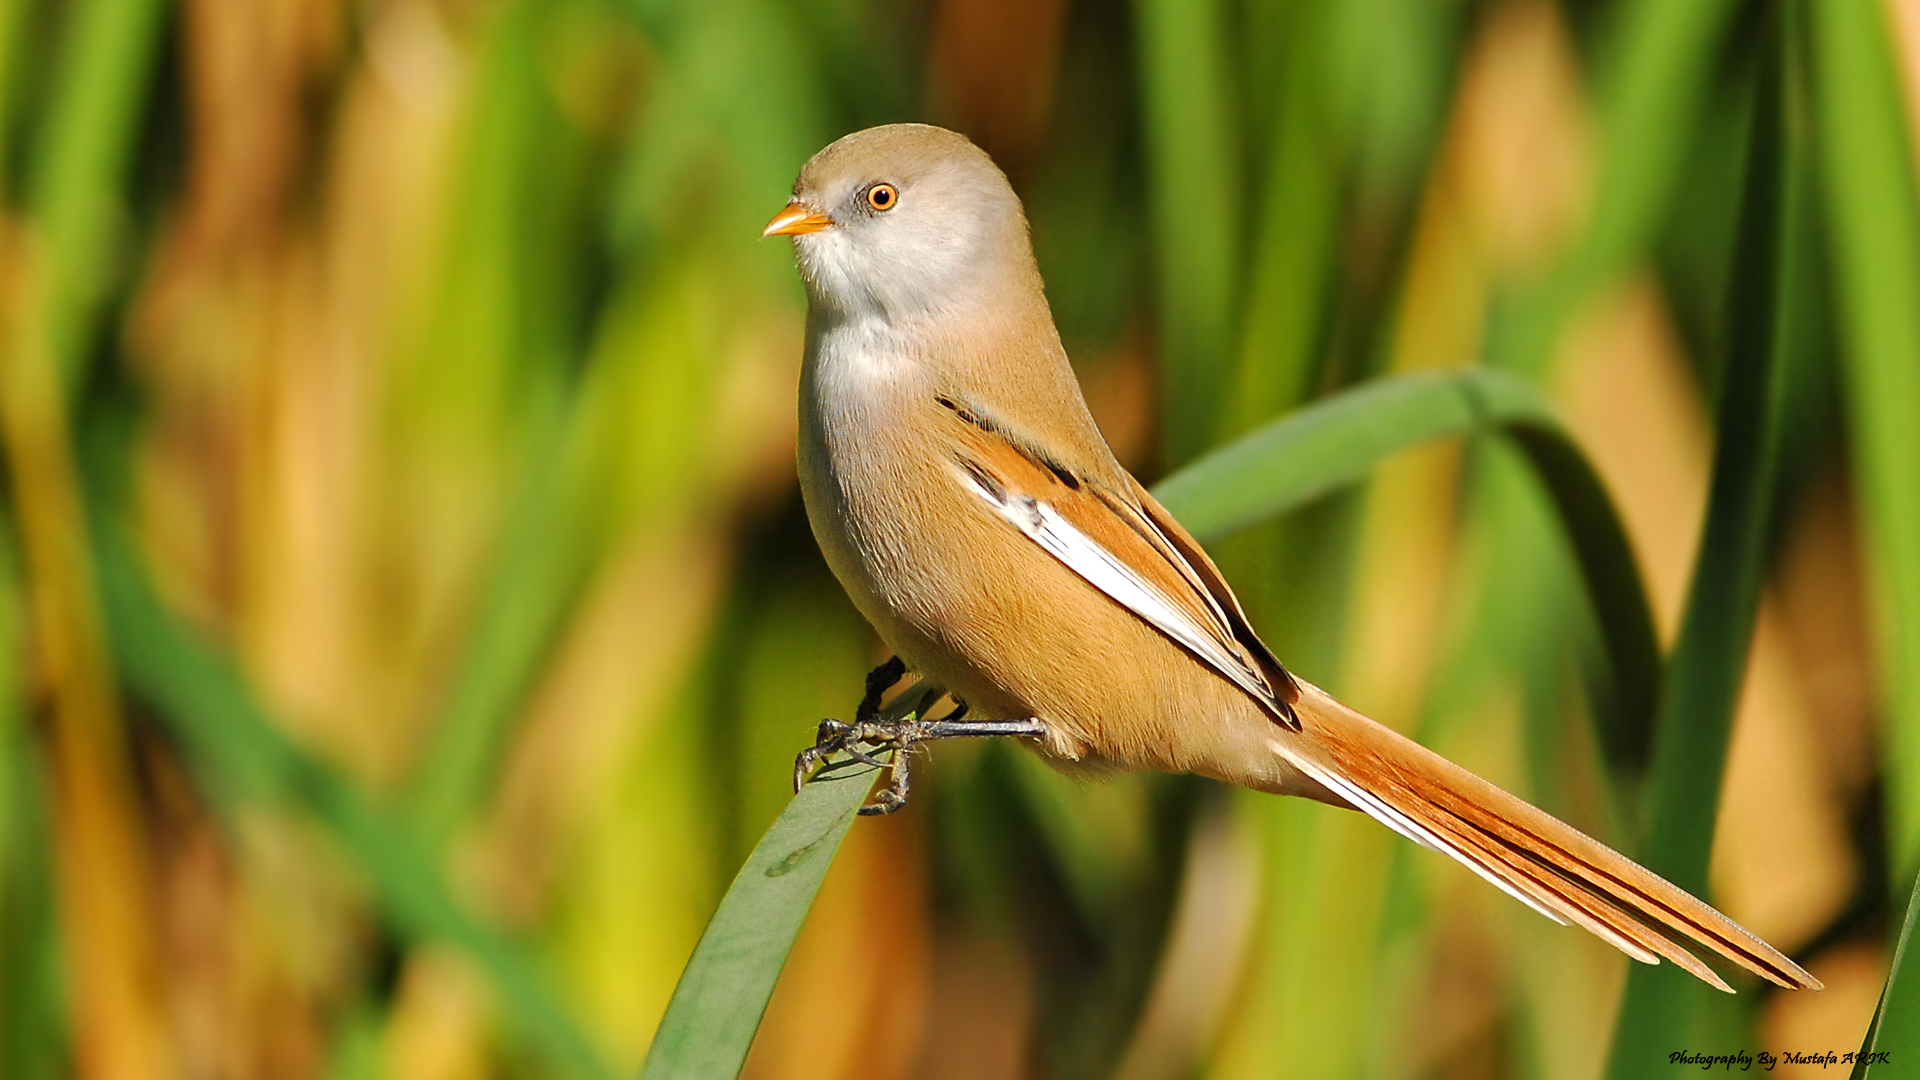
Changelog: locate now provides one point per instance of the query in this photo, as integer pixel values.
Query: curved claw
(832, 735)
(803, 764)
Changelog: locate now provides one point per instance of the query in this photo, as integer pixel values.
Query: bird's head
(903, 221)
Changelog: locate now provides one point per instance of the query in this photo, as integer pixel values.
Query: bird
(962, 494)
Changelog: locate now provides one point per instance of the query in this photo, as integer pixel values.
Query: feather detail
(1114, 544)
(1189, 553)
(1529, 853)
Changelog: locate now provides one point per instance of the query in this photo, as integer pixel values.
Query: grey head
(906, 221)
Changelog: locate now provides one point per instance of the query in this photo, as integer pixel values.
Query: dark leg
(878, 681)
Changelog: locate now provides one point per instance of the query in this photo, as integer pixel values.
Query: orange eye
(882, 196)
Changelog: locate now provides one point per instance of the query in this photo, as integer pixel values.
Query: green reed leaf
(1894, 1034)
(1710, 657)
(723, 992)
(1338, 441)
(1872, 210)
(1193, 163)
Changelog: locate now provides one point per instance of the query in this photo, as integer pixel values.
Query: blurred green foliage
(407, 622)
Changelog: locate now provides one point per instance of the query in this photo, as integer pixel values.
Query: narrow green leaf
(1655, 64)
(1895, 1031)
(81, 162)
(12, 19)
(1710, 657)
(723, 992)
(539, 560)
(32, 1044)
(1654, 60)
(242, 757)
(1194, 173)
(475, 387)
(1873, 213)
(1289, 265)
(1338, 441)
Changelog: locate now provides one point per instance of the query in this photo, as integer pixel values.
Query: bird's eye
(882, 196)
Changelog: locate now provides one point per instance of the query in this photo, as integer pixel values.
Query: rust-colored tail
(1537, 858)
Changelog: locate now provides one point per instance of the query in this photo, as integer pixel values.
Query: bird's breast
(858, 459)
(914, 551)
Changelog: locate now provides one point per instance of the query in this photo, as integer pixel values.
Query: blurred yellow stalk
(104, 887)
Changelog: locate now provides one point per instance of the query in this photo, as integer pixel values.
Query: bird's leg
(878, 680)
(894, 795)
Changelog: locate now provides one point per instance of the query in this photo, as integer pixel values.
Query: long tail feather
(1538, 859)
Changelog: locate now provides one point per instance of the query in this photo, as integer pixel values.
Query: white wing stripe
(1092, 561)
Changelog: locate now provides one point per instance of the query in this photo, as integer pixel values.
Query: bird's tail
(1542, 861)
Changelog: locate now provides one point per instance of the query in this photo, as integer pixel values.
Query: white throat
(862, 324)
(857, 358)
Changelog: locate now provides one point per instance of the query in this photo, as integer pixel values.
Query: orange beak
(794, 219)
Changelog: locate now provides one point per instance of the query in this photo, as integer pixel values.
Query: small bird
(964, 497)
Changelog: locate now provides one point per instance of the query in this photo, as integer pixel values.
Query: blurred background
(408, 620)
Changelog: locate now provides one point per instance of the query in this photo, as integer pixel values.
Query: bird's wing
(1122, 543)
(1127, 546)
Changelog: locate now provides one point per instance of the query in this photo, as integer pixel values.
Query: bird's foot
(889, 745)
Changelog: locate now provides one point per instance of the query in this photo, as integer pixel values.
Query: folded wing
(1117, 545)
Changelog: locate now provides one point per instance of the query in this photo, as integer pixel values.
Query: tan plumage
(964, 497)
